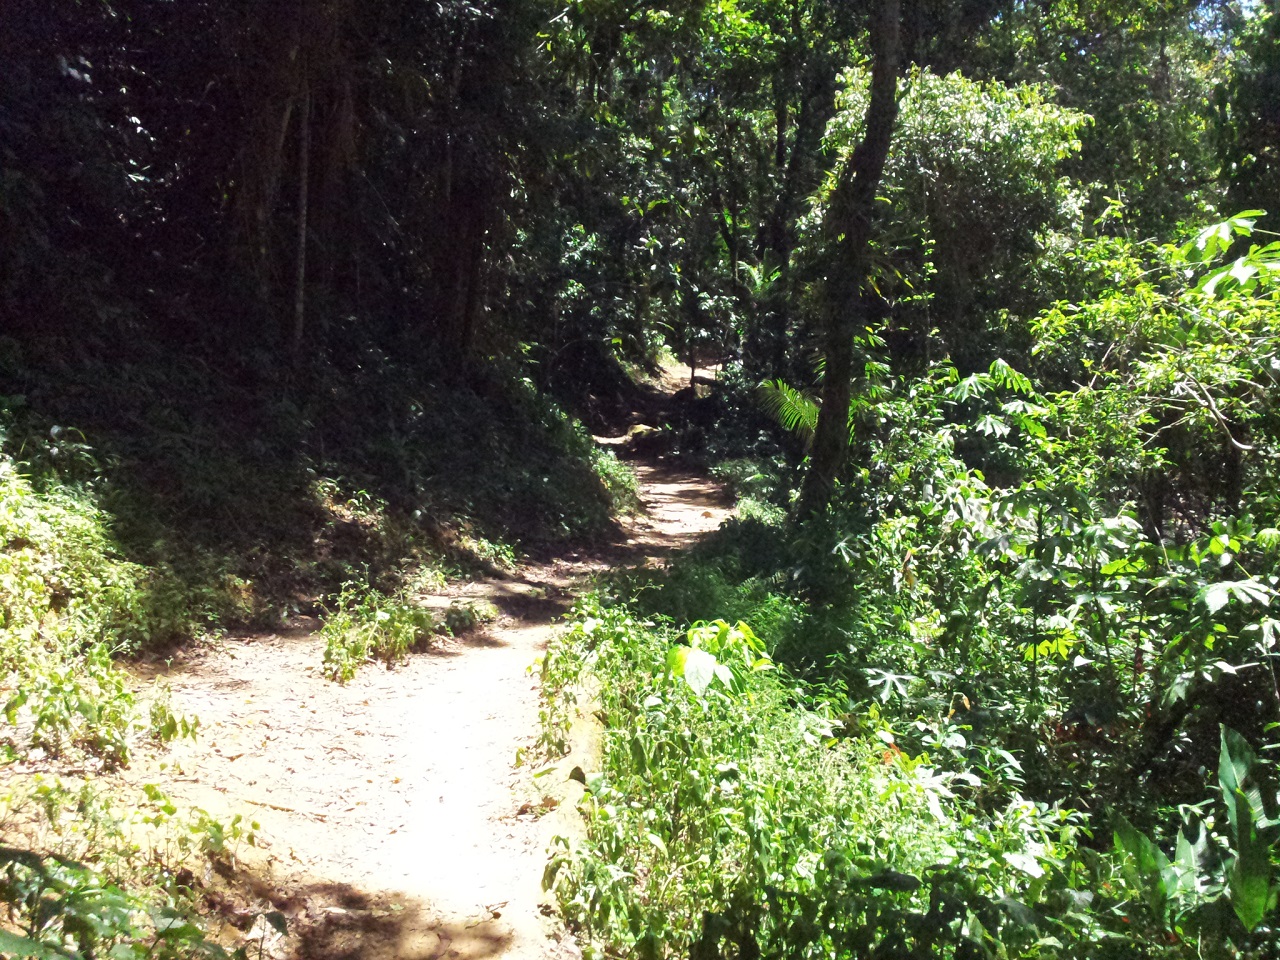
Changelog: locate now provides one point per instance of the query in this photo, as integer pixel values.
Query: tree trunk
(848, 232)
(798, 169)
(304, 179)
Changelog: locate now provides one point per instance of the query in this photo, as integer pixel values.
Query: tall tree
(849, 226)
(1249, 118)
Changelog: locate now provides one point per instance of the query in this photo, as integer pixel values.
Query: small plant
(111, 878)
(167, 726)
(619, 480)
(495, 553)
(218, 840)
(464, 615)
(427, 577)
(1218, 884)
(366, 625)
(716, 651)
(68, 604)
(63, 910)
(740, 476)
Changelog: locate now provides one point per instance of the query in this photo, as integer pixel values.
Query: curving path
(396, 821)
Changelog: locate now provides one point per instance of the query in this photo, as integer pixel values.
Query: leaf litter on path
(394, 820)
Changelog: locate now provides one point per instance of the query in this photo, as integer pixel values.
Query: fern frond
(794, 409)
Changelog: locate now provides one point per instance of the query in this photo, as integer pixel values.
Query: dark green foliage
(260, 503)
(998, 581)
(66, 911)
(1145, 73)
(1248, 115)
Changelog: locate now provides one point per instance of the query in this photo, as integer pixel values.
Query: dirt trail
(395, 821)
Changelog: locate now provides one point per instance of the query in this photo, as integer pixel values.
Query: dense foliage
(1062, 596)
(735, 814)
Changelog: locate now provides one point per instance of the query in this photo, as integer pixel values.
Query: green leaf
(1249, 880)
(1214, 596)
(1123, 565)
(696, 667)
(1251, 591)
(1024, 862)
(1019, 911)
(13, 945)
(1146, 866)
(796, 411)
(1190, 861)
(991, 425)
(974, 385)
(277, 921)
(725, 675)
(1236, 760)
(1010, 378)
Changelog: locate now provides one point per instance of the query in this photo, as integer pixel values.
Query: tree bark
(304, 179)
(848, 230)
(799, 171)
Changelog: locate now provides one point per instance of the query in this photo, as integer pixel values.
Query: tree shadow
(366, 929)
(329, 920)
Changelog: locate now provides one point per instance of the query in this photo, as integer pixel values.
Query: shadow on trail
(409, 933)
(335, 921)
(458, 645)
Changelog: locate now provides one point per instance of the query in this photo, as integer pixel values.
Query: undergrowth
(365, 626)
(79, 876)
(734, 816)
(69, 603)
(113, 879)
(994, 591)
(254, 499)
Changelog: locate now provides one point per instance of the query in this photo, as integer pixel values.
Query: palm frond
(794, 409)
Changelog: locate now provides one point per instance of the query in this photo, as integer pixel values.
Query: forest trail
(395, 819)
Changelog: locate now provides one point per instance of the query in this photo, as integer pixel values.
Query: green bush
(68, 604)
(66, 911)
(464, 615)
(619, 479)
(731, 818)
(366, 625)
(113, 877)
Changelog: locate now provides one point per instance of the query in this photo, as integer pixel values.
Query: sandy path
(395, 821)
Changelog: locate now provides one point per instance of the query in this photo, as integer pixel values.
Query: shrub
(68, 603)
(112, 879)
(730, 818)
(464, 615)
(366, 625)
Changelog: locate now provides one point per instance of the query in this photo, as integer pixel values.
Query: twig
(275, 806)
(1217, 414)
